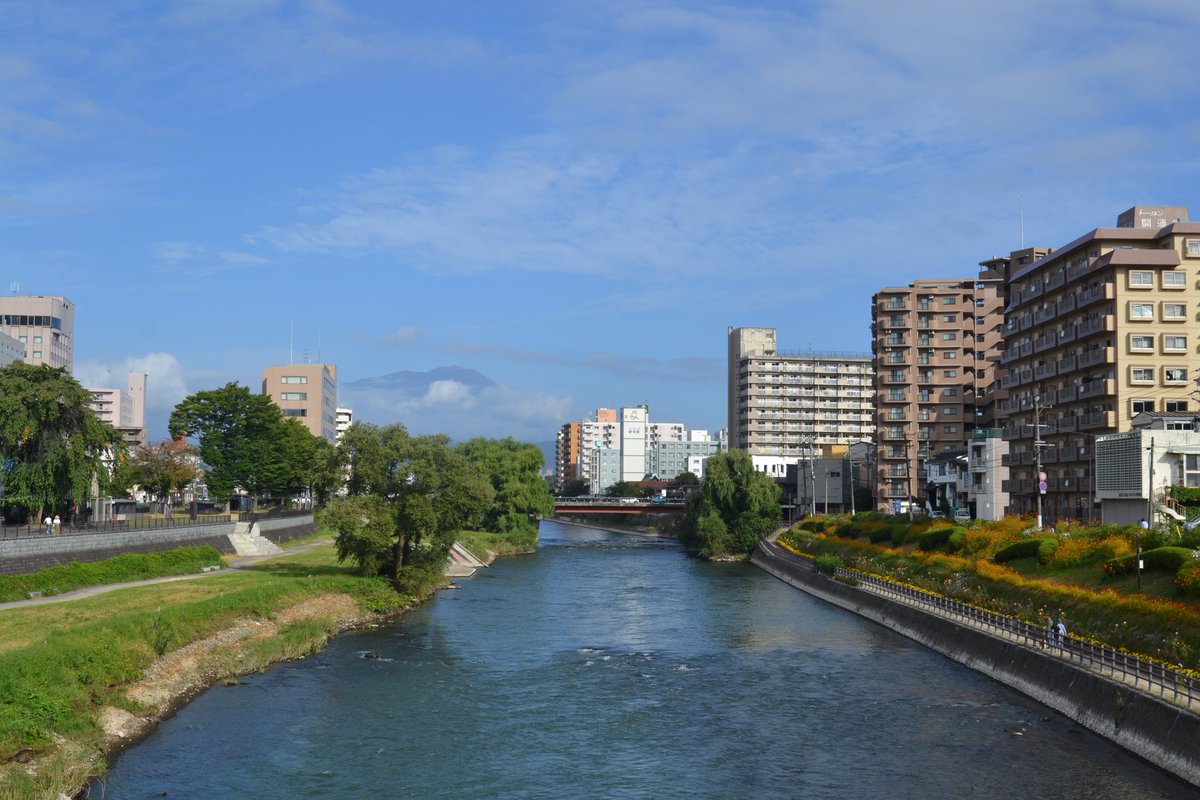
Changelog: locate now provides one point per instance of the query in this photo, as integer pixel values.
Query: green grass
(60, 663)
(119, 569)
(480, 543)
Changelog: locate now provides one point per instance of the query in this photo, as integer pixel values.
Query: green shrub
(827, 564)
(932, 540)
(958, 536)
(847, 530)
(1041, 546)
(898, 531)
(1164, 558)
(883, 533)
(1188, 578)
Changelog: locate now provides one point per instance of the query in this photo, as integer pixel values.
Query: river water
(609, 666)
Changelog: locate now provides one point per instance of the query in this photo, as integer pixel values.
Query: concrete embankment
(632, 531)
(1165, 735)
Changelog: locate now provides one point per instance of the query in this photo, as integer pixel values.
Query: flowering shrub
(1078, 549)
(1188, 578)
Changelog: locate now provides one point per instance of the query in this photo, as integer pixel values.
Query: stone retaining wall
(285, 529)
(29, 555)
(1159, 732)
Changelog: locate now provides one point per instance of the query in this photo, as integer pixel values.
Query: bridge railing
(1144, 674)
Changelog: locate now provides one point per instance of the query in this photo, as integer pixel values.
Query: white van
(962, 515)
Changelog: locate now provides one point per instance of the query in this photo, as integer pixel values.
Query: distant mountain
(416, 384)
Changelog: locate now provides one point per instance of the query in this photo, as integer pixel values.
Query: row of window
(293, 396)
(1170, 375)
(1144, 279)
(32, 320)
(1138, 406)
(1140, 312)
(1171, 343)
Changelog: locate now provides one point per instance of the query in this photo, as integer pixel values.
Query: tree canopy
(521, 494)
(623, 489)
(52, 446)
(407, 497)
(162, 468)
(733, 507)
(246, 443)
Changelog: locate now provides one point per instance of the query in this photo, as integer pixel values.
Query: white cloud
(195, 259)
(165, 385)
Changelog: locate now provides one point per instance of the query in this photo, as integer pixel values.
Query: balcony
(1063, 424)
(1009, 328)
(1056, 279)
(1044, 342)
(1010, 354)
(893, 303)
(1101, 355)
(1035, 290)
(1066, 305)
(1045, 371)
(1006, 460)
(1097, 419)
(1094, 294)
(1044, 315)
(1102, 324)
(1067, 364)
(1010, 380)
(1079, 268)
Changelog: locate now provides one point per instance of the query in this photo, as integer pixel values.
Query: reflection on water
(612, 666)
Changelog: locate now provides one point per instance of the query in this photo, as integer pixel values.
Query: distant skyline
(574, 199)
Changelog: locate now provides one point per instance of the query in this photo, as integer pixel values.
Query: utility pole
(1038, 444)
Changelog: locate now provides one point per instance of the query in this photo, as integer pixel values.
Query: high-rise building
(934, 343)
(1096, 332)
(45, 327)
(307, 392)
(791, 404)
(124, 409)
(344, 419)
(10, 350)
(566, 455)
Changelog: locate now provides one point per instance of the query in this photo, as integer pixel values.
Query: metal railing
(273, 513)
(1142, 674)
(136, 523)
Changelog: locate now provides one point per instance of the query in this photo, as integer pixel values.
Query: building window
(949, 336)
(1141, 280)
(949, 392)
(1139, 406)
(950, 429)
(950, 354)
(949, 318)
(1141, 310)
(295, 412)
(1174, 280)
(37, 353)
(950, 373)
(1141, 342)
(1175, 311)
(1192, 248)
(1141, 374)
(37, 340)
(294, 379)
(1175, 343)
(1191, 470)
(1176, 406)
(293, 396)
(1175, 374)
(950, 411)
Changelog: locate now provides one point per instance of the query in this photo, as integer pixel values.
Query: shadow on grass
(297, 569)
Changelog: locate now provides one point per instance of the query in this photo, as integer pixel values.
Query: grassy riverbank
(69, 671)
(1081, 573)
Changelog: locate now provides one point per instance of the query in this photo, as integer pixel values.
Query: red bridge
(617, 505)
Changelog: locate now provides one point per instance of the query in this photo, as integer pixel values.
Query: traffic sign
(1042, 477)
(1041, 487)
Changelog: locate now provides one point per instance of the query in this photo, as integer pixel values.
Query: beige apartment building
(307, 392)
(1097, 332)
(786, 404)
(566, 455)
(44, 327)
(934, 344)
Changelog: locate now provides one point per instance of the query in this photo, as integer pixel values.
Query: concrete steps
(247, 541)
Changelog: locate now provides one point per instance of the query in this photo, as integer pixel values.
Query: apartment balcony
(1049, 455)
(1034, 291)
(1098, 419)
(1009, 328)
(1066, 305)
(1010, 380)
(1044, 342)
(1044, 315)
(1010, 354)
(1101, 355)
(887, 435)
(1045, 371)
(1025, 457)
(1067, 364)
(1094, 294)
(1057, 278)
(1102, 324)
(893, 304)
(1006, 460)
(1063, 424)
(1013, 430)
(1075, 270)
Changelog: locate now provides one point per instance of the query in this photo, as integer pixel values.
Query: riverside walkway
(1140, 674)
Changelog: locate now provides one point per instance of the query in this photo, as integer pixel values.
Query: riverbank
(99, 674)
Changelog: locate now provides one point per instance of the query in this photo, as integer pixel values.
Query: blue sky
(574, 198)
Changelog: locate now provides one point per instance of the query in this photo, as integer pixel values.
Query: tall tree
(52, 446)
(237, 432)
(733, 507)
(521, 494)
(162, 468)
(416, 489)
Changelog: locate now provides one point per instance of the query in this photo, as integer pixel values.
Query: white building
(986, 474)
(344, 419)
(1135, 469)
(124, 409)
(634, 434)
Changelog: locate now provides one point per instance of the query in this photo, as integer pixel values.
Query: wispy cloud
(199, 260)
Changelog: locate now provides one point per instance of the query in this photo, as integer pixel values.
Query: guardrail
(135, 524)
(1144, 675)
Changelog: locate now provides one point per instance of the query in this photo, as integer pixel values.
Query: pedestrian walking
(49, 523)
(57, 524)
(1050, 632)
(1060, 632)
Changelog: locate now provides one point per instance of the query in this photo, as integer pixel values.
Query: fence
(1147, 676)
(182, 520)
(273, 513)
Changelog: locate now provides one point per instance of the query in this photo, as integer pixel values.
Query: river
(613, 666)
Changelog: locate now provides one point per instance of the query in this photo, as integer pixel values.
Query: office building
(44, 326)
(934, 344)
(1096, 332)
(124, 409)
(10, 350)
(344, 418)
(790, 405)
(307, 392)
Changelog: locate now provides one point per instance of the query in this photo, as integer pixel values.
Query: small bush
(958, 537)
(1165, 558)
(827, 564)
(1187, 579)
(879, 534)
(847, 530)
(1041, 546)
(898, 531)
(934, 538)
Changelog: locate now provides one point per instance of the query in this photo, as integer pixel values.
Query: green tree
(733, 507)
(416, 488)
(521, 494)
(238, 433)
(162, 468)
(623, 489)
(52, 447)
(575, 488)
(686, 479)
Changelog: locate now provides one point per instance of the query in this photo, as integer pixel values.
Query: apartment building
(792, 404)
(344, 418)
(10, 350)
(935, 343)
(307, 392)
(1096, 332)
(566, 455)
(44, 326)
(124, 409)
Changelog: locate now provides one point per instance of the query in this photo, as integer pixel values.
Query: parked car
(962, 515)
(936, 515)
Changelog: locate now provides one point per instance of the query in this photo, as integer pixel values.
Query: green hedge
(932, 540)
(1041, 546)
(957, 537)
(1165, 558)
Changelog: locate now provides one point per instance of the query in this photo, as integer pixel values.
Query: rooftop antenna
(15, 287)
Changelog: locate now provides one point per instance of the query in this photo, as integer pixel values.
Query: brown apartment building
(307, 392)
(1096, 332)
(934, 345)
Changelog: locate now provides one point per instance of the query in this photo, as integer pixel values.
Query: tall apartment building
(566, 455)
(45, 327)
(934, 344)
(343, 419)
(124, 409)
(307, 392)
(1098, 331)
(786, 404)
